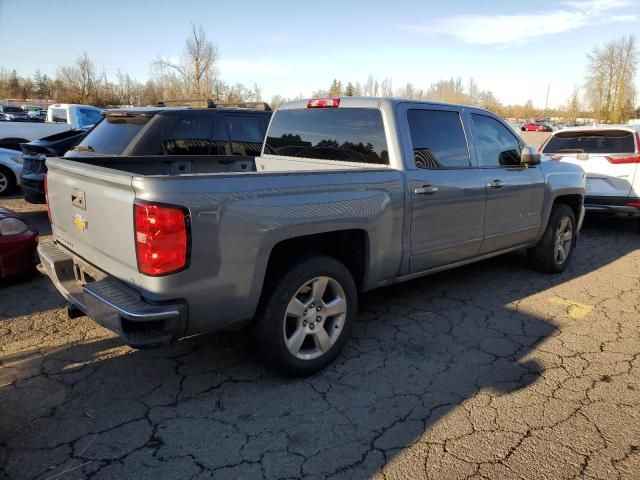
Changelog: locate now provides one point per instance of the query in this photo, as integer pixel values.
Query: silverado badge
(80, 223)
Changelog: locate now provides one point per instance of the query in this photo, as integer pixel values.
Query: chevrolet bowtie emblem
(80, 223)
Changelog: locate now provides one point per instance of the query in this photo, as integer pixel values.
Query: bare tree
(573, 106)
(386, 87)
(196, 67)
(276, 100)
(611, 73)
(80, 80)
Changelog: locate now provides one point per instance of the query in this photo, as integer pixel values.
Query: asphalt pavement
(487, 371)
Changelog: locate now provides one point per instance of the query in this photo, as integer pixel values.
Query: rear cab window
(340, 134)
(591, 141)
(59, 115)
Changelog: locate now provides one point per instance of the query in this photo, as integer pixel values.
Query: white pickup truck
(60, 117)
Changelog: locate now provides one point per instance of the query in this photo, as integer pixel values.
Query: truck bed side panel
(238, 219)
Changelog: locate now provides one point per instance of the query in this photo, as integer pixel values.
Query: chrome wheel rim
(314, 318)
(564, 240)
(4, 182)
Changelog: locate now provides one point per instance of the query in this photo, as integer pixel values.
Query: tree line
(608, 95)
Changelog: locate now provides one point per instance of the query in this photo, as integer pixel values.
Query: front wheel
(306, 315)
(553, 252)
(7, 181)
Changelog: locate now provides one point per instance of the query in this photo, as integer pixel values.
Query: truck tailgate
(92, 215)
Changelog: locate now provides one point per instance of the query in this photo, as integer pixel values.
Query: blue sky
(515, 49)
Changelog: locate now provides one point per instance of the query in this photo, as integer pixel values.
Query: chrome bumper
(111, 303)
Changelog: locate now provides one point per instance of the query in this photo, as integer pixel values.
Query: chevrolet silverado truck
(348, 195)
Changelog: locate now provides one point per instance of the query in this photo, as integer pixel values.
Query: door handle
(496, 184)
(426, 190)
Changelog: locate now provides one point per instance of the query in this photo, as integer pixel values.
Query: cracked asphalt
(488, 371)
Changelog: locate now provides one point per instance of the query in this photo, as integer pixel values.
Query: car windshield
(12, 110)
(112, 135)
(591, 141)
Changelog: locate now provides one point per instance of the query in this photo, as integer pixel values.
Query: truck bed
(237, 216)
(171, 164)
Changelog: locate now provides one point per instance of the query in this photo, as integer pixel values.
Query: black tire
(7, 181)
(273, 322)
(545, 256)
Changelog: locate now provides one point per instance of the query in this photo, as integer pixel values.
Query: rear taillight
(162, 238)
(323, 103)
(633, 204)
(616, 159)
(46, 198)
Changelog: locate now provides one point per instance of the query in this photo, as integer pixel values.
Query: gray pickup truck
(348, 195)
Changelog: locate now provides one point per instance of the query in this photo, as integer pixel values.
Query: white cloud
(505, 29)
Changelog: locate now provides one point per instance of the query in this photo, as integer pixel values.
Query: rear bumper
(612, 206)
(33, 187)
(113, 304)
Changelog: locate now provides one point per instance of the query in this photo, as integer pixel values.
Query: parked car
(10, 170)
(60, 118)
(219, 130)
(34, 156)
(36, 113)
(610, 156)
(535, 127)
(349, 194)
(14, 114)
(18, 243)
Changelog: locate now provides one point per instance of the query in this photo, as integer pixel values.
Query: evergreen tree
(14, 85)
(349, 91)
(336, 89)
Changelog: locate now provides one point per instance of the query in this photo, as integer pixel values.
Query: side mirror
(529, 156)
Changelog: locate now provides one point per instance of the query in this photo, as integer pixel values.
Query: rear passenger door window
(495, 144)
(438, 139)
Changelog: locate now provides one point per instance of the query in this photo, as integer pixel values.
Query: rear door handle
(496, 184)
(426, 190)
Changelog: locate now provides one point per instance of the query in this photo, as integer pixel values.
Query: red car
(18, 242)
(535, 127)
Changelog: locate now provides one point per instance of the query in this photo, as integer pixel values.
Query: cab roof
(372, 102)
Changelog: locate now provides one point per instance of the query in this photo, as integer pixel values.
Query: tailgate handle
(426, 190)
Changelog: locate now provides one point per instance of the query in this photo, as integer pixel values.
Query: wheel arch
(350, 247)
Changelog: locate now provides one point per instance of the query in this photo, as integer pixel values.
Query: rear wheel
(7, 181)
(305, 318)
(553, 252)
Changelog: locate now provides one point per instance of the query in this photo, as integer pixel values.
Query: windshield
(88, 117)
(112, 135)
(593, 141)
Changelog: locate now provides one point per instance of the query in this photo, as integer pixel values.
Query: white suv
(610, 156)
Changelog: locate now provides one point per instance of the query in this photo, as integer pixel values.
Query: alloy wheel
(314, 318)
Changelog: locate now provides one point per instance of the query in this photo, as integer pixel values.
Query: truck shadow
(419, 351)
